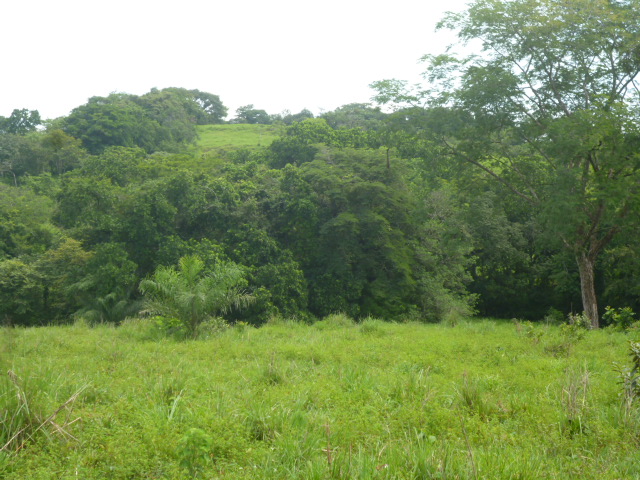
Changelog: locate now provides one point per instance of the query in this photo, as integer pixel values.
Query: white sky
(277, 54)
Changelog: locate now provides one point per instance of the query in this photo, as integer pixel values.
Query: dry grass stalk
(59, 428)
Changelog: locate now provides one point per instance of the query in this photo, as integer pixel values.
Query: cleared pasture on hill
(483, 399)
(219, 139)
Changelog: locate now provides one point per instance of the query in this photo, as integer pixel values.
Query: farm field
(483, 399)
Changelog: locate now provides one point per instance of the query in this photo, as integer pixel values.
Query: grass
(217, 140)
(484, 399)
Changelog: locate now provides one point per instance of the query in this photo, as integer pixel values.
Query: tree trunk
(588, 288)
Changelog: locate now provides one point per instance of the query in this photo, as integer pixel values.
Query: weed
(211, 327)
(570, 334)
(334, 321)
(473, 400)
(579, 320)
(241, 327)
(629, 378)
(532, 332)
(271, 373)
(574, 400)
(169, 326)
(194, 451)
(372, 326)
(553, 317)
(262, 422)
(21, 421)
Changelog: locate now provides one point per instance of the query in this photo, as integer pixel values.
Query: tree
(25, 228)
(549, 110)
(211, 109)
(20, 122)
(62, 268)
(356, 115)
(121, 165)
(114, 120)
(251, 115)
(191, 296)
(64, 152)
(289, 118)
(175, 113)
(204, 108)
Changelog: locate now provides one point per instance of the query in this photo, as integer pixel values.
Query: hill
(219, 139)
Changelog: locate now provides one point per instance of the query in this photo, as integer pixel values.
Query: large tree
(21, 122)
(549, 109)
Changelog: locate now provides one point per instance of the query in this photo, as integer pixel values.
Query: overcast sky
(276, 54)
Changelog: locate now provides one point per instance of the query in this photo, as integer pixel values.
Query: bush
(630, 376)
(619, 318)
(190, 296)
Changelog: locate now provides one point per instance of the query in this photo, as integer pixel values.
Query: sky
(277, 55)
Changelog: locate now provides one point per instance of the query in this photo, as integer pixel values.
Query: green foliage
(194, 451)
(280, 287)
(25, 217)
(113, 121)
(112, 308)
(63, 271)
(191, 295)
(206, 108)
(21, 122)
(159, 120)
(121, 165)
(21, 293)
(66, 152)
(356, 115)
(289, 118)
(568, 152)
(21, 155)
(571, 333)
(629, 380)
(619, 318)
(249, 114)
(578, 320)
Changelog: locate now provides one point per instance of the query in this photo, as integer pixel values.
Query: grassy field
(375, 400)
(219, 139)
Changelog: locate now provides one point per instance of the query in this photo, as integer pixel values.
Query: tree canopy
(548, 109)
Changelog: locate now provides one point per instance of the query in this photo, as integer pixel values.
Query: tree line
(507, 186)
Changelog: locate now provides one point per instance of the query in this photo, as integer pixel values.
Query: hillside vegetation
(221, 139)
(480, 400)
(506, 185)
(288, 296)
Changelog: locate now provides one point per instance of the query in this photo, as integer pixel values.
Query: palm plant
(111, 308)
(191, 296)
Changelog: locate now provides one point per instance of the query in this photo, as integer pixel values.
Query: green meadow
(222, 138)
(483, 399)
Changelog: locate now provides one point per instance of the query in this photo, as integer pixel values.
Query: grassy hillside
(219, 139)
(484, 399)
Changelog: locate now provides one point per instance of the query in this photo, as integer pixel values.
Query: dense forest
(506, 186)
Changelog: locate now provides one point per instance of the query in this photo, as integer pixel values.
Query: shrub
(190, 296)
(194, 450)
(619, 318)
(630, 376)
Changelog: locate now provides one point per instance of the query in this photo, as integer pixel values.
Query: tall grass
(331, 400)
